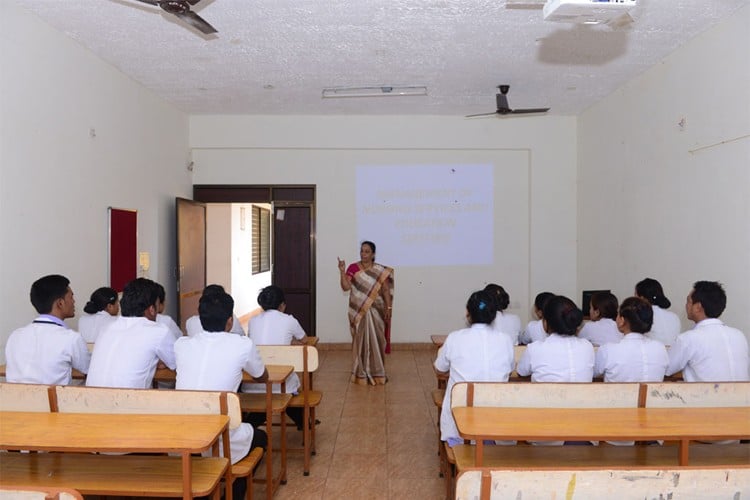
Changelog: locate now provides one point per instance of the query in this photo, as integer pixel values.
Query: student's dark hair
(369, 244)
(651, 290)
(502, 299)
(605, 303)
(482, 307)
(541, 299)
(138, 295)
(271, 297)
(214, 310)
(161, 294)
(638, 313)
(562, 315)
(212, 289)
(100, 299)
(711, 295)
(46, 290)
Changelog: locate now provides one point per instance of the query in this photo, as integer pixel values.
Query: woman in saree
(370, 287)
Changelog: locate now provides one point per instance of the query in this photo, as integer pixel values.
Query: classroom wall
(322, 150)
(56, 180)
(668, 200)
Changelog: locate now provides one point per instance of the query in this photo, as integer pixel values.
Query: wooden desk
(600, 424)
(79, 432)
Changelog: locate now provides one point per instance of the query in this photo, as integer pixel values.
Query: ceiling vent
(586, 11)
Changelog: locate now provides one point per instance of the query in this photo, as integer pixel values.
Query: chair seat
(437, 397)
(313, 399)
(245, 466)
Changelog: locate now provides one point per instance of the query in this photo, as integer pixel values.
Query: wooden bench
(25, 397)
(33, 493)
(696, 394)
(490, 484)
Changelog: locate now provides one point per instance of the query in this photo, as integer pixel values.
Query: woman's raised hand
(342, 265)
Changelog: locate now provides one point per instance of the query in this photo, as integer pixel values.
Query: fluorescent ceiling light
(374, 91)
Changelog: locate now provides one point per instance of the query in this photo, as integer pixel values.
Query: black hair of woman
(651, 290)
(100, 299)
(271, 297)
(562, 316)
(501, 296)
(605, 303)
(481, 307)
(638, 314)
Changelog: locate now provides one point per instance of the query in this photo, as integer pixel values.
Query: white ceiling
(276, 56)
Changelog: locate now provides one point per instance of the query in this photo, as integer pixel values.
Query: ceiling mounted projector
(585, 11)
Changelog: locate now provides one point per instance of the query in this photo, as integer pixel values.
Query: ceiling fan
(503, 108)
(181, 9)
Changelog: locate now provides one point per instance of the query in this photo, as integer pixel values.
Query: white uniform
(127, 352)
(509, 324)
(600, 332)
(91, 325)
(44, 352)
(273, 327)
(666, 326)
(559, 358)
(534, 332)
(476, 354)
(634, 359)
(193, 325)
(167, 321)
(710, 352)
(214, 361)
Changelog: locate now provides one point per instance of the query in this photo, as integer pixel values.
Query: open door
(191, 257)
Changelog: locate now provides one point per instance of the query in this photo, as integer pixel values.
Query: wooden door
(293, 260)
(191, 257)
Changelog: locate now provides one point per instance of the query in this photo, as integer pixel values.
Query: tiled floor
(373, 442)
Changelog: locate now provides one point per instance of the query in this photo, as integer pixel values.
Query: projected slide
(427, 215)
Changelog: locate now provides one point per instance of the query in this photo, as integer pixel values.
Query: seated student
(274, 327)
(128, 351)
(477, 354)
(602, 328)
(102, 309)
(212, 360)
(666, 325)
(193, 323)
(711, 351)
(636, 358)
(535, 329)
(46, 351)
(509, 324)
(163, 318)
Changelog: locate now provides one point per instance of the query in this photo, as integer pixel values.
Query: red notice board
(123, 258)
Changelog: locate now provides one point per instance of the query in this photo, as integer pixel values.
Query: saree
(369, 329)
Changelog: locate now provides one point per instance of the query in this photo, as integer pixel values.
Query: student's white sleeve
(254, 365)
(297, 331)
(600, 362)
(237, 326)
(81, 357)
(524, 364)
(173, 328)
(679, 355)
(165, 349)
(442, 363)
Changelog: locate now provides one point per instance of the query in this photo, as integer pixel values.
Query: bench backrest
(697, 394)
(38, 493)
(24, 397)
(81, 399)
(545, 395)
(488, 484)
(303, 358)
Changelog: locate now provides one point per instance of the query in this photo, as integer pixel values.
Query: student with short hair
(535, 329)
(193, 323)
(213, 360)
(164, 319)
(46, 351)
(509, 324)
(666, 325)
(101, 310)
(127, 352)
(274, 327)
(478, 353)
(561, 357)
(636, 358)
(711, 351)
(602, 328)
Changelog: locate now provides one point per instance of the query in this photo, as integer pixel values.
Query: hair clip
(482, 306)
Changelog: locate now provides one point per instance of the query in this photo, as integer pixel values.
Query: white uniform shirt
(167, 321)
(44, 352)
(127, 352)
(634, 359)
(91, 325)
(600, 332)
(666, 326)
(476, 354)
(193, 326)
(710, 352)
(509, 324)
(214, 361)
(534, 332)
(273, 327)
(558, 358)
